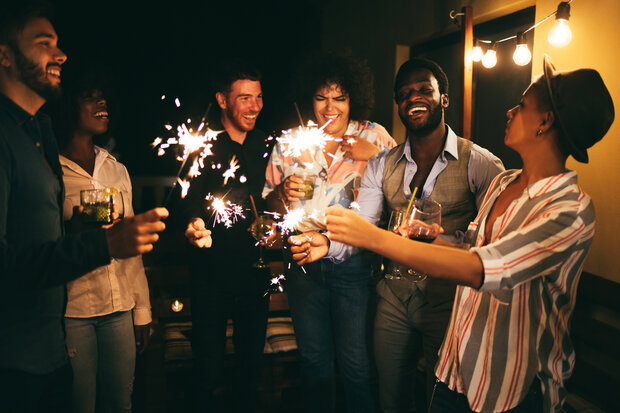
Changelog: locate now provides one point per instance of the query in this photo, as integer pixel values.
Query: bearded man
(412, 317)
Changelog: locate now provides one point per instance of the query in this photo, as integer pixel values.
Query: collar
(450, 147)
(14, 110)
(541, 187)
(100, 156)
(551, 183)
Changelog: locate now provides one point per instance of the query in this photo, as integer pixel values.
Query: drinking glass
(422, 224)
(394, 270)
(308, 189)
(260, 232)
(97, 205)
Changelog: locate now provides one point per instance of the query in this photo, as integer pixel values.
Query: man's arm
(482, 169)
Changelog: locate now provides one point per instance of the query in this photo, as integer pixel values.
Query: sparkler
(225, 212)
(191, 142)
(311, 137)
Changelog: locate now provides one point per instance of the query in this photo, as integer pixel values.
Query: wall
(375, 29)
(595, 44)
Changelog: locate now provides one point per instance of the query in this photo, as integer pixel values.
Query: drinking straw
(415, 190)
(254, 206)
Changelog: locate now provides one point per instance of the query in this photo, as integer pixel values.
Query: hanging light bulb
(560, 34)
(522, 54)
(489, 59)
(477, 53)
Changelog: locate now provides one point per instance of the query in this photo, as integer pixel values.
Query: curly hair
(351, 73)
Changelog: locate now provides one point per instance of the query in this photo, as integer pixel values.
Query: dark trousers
(404, 331)
(449, 401)
(22, 392)
(212, 305)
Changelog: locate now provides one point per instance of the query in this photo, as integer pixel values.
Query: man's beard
(33, 76)
(434, 119)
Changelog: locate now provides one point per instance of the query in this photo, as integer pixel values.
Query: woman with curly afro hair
(328, 299)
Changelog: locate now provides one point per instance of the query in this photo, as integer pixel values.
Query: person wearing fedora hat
(508, 346)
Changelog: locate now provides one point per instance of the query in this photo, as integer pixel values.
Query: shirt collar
(14, 110)
(100, 156)
(450, 147)
(551, 183)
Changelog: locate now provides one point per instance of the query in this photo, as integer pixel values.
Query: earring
(539, 132)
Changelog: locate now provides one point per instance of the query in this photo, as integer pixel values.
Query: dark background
(148, 49)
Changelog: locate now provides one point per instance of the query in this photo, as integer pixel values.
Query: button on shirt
(482, 168)
(515, 327)
(36, 259)
(122, 285)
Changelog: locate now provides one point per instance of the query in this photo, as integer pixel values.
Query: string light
(489, 60)
(522, 54)
(559, 36)
(477, 53)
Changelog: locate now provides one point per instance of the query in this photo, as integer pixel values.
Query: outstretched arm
(448, 263)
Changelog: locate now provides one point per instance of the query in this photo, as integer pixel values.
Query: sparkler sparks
(311, 137)
(230, 172)
(198, 143)
(225, 212)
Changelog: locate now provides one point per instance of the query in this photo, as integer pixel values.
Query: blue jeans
(102, 352)
(445, 400)
(329, 304)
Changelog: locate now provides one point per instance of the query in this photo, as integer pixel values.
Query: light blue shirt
(483, 167)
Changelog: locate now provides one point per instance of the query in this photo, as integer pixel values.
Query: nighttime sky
(147, 50)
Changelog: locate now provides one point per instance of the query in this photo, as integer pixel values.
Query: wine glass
(118, 202)
(394, 270)
(422, 224)
(260, 232)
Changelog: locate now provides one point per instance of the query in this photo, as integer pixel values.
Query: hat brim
(579, 154)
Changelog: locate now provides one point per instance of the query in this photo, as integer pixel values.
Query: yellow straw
(415, 190)
(254, 206)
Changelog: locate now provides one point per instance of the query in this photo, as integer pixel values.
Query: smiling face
(38, 58)
(525, 119)
(420, 105)
(331, 103)
(241, 105)
(93, 115)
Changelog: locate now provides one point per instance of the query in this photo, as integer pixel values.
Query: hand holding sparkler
(197, 234)
(357, 148)
(136, 235)
(308, 247)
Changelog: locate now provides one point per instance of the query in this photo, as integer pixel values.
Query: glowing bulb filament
(489, 59)
(560, 34)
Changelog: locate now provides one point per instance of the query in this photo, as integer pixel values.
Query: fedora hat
(582, 107)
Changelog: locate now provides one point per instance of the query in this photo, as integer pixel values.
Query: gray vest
(458, 208)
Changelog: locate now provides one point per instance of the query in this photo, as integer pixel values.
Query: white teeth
(101, 115)
(417, 109)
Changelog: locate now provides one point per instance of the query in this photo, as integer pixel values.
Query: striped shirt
(515, 327)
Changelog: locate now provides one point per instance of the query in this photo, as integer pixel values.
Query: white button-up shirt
(121, 285)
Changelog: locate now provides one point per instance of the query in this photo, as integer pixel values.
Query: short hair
(14, 15)
(421, 63)
(351, 73)
(229, 71)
